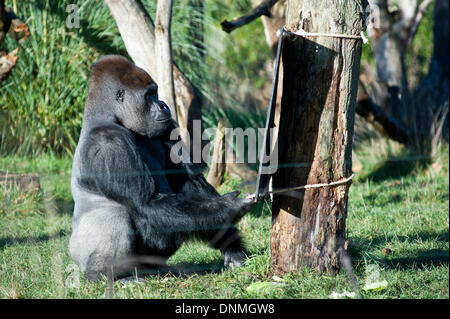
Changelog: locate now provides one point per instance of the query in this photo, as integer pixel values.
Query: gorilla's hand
(240, 206)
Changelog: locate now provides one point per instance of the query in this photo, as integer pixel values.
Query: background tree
(414, 113)
(418, 110)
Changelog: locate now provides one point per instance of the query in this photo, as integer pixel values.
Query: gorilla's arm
(191, 179)
(112, 166)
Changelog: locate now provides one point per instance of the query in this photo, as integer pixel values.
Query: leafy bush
(42, 101)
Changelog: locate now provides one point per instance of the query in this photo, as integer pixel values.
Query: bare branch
(418, 19)
(374, 114)
(164, 54)
(262, 9)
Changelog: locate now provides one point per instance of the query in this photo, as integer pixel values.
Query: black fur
(124, 156)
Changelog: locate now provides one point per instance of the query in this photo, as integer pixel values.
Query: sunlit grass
(399, 223)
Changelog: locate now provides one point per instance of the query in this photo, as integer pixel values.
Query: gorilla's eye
(152, 90)
(119, 95)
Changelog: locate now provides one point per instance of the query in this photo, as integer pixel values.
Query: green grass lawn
(398, 228)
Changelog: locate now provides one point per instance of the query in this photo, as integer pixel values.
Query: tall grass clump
(42, 101)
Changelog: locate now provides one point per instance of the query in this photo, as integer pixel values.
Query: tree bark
(316, 131)
(138, 33)
(432, 94)
(217, 165)
(262, 9)
(163, 55)
(390, 34)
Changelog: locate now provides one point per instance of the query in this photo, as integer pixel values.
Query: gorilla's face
(131, 95)
(140, 110)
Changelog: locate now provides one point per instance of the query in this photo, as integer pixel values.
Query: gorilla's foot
(233, 259)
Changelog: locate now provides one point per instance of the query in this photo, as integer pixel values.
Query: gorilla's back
(101, 228)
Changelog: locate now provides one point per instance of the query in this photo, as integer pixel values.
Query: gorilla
(134, 206)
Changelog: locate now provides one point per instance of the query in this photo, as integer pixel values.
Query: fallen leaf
(436, 167)
(262, 288)
(357, 167)
(345, 294)
(375, 286)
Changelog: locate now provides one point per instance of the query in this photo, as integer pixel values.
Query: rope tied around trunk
(303, 33)
(308, 186)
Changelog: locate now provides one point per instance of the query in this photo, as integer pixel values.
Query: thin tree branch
(418, 19)
(164, 54)
(366, 108)
(261, 9)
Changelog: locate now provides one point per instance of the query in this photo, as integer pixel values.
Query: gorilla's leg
(229, 242)
(102, 241)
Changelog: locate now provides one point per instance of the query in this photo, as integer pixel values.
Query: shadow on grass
(185, 269)
(64, 206)
(432, 257)
(397, 167)
(421, 259)
(374, 199)
(32, 240)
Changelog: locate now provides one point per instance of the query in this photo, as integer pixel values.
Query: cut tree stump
(25, 181)
(219, 166)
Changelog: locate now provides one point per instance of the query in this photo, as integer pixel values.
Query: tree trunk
(163, 55)
(431, 96)
(316, 132)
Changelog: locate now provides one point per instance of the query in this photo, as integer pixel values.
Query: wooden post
(316, 131)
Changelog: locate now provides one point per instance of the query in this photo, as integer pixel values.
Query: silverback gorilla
(133, 206)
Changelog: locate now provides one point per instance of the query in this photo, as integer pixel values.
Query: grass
(398, 222)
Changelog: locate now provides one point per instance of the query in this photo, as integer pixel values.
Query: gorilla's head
(122, 92)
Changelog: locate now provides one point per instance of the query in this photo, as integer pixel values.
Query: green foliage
(42, 101)
(41, 104)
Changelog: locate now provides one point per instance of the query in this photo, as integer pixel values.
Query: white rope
(303, 33)
(309, 186)
(285, 190)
